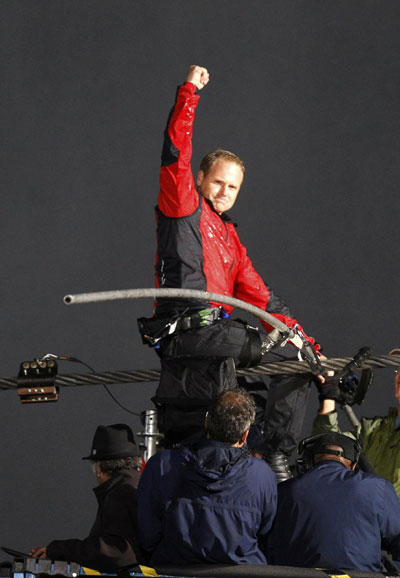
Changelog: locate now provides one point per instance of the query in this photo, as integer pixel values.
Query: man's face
(221, 184)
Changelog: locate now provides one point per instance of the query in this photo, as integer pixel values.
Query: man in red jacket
(199, 248)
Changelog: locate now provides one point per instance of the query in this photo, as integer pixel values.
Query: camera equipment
(345, 387)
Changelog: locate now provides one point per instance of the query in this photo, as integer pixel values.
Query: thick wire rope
(153, 375)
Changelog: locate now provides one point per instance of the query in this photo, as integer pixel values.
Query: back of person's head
(220, 154)
(330, 446)
(230, 416)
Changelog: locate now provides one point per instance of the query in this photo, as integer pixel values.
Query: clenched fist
(198, 76)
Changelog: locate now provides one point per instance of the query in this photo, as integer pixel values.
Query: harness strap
(154, 329)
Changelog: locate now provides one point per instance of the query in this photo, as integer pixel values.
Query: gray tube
(183, 293)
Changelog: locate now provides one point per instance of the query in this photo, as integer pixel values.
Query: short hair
(111, 466)
(214, 156)
(230, 415)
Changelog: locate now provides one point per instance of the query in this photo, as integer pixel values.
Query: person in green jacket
(379, 436)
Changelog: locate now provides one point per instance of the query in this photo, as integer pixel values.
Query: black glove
(329, 389)
(340, 389)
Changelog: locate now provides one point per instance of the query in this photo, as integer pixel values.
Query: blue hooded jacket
(206, 503)
(332, 517)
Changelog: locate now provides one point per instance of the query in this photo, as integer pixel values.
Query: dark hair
(111, 466)
(230, 415)
(213, 157)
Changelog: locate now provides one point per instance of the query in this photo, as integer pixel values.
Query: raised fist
(198, 76)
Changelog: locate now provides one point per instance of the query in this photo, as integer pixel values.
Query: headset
(316, 444)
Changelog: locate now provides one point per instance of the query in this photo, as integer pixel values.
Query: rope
(153, 375)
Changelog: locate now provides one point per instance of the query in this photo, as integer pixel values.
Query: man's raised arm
(178, 196)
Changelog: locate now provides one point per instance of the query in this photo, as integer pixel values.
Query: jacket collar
(225, 217)
(213, 454)
(130, 477)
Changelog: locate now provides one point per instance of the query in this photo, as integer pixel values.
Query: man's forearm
(327, 406)
(107, 553)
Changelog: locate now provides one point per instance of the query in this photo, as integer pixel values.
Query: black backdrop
(307, 92)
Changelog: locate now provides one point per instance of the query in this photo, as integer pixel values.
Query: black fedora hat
(111, 442)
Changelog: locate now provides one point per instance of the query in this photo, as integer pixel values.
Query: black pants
(281, 407)
(195, 368)
(224, 338)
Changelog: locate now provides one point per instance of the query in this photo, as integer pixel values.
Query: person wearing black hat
(333, 515)
(112, 542)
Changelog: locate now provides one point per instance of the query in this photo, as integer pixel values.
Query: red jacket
(197, 247)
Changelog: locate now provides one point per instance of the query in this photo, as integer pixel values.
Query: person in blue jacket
(209, 502)
(333, 515)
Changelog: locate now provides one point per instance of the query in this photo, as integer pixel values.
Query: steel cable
(152, 375)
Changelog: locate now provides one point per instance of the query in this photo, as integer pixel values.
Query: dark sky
(307, 92)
